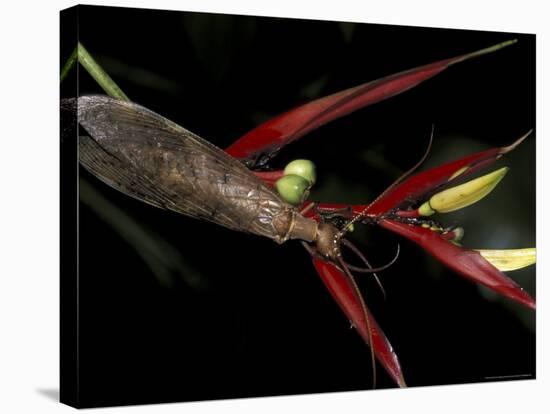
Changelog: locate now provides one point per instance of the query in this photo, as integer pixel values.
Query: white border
(30, 208)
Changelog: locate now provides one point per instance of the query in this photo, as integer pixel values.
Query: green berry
(302, 168)
(293, 188)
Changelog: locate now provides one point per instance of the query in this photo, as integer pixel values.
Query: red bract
(466, 262)
(269, 137)
(432, 179)
(343, 292)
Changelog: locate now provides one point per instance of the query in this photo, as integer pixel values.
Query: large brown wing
(148, 157)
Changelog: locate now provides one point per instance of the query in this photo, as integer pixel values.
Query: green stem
(69, 64)
(101, 77)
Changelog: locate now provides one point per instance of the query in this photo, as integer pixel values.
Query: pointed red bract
(271, 136)
(468, 263)
(414, 187)
(345, 295)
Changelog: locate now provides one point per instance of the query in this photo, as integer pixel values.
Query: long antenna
(399, 179)
(369, 268)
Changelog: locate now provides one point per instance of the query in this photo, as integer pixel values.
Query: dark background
(173, 309)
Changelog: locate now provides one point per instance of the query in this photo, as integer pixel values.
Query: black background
(232, 315)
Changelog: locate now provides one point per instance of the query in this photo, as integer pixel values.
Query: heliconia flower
(397, 210)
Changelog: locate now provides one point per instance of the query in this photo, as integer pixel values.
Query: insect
(148, 157)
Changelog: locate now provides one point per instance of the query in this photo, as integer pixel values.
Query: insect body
(146, 156)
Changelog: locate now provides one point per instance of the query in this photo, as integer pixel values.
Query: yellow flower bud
(510, 259)
(466, 194)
